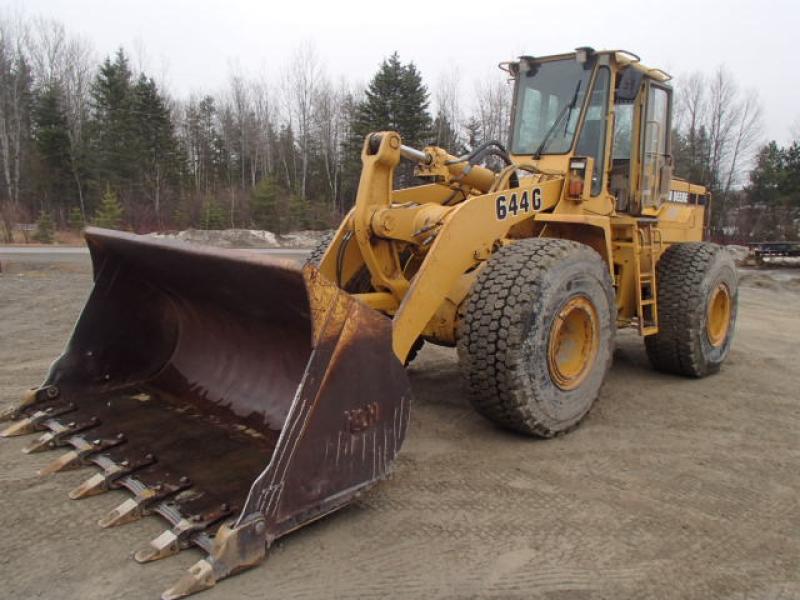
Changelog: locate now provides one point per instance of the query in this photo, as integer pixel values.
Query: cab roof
(623, 58)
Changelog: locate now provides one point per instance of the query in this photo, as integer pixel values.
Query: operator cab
(604, 106)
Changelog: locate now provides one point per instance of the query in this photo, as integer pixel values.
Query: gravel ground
(672, 488)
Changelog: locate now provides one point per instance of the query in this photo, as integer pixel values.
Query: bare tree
(493, 104)
(301, 82)
(720, 128)
(448, 110)
(690, 105)
(330, 127)
(794, 130)
(240, 103)
(262, 154)
(723, 115)
(14, 89)
(745, 138)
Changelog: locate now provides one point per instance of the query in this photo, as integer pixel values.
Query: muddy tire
(318, 251)
(412, 354)
(697, 299)
(357, 285)
(537, 336)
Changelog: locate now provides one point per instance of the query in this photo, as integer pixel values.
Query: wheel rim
(573, 344)
(719, 315)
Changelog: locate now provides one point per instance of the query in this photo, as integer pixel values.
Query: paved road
(80, 254)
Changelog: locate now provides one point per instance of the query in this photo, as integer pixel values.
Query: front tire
(697, 302)
(359, 284)
(537, 336)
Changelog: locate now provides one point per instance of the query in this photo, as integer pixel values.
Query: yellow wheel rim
(718, 320)
(573, 344)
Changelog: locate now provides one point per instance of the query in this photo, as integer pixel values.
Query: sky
(192, 45)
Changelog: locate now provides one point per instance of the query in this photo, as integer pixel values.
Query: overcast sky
(191, 44)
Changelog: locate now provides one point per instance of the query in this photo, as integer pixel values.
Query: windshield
(549, 100)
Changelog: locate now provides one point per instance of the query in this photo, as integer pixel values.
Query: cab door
(655, 159)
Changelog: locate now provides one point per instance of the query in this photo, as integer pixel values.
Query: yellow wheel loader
(239, 397)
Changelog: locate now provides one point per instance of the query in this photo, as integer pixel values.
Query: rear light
(577, 177)
(575, 188)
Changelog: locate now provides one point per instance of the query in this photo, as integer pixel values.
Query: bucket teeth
(233, 549)
(30, 397)
(58, 434)
(65, 462)
(107, 479)
(96, 484)
(199, 577)
(21, 427)
(40, 444)
(137, 507)
(127, 512)
(77, 457)
(172, 541)
(166, 544)
(36, 420)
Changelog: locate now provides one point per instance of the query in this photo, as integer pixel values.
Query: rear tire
(537, 336)
(697, 301)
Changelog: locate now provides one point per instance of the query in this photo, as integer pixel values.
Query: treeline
(717, 142)
(84, 140)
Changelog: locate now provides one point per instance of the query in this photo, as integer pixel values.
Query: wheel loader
(240, 397)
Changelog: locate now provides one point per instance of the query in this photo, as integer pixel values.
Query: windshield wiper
(567, 110)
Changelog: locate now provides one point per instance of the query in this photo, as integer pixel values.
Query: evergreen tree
(395, 100)
(774, 191)
(44, 228)
(265, 205)
(182, 215)
(134, 142)
(213, 215)
(109, 213)
(51, 136)
(299, 215)
(156, 149)
(113, 129)
(75, 219)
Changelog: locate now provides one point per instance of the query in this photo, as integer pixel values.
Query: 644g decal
(515, 204)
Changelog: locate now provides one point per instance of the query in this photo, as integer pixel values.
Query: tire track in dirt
(671, 489)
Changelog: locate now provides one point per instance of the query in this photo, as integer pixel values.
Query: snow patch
(244, 238)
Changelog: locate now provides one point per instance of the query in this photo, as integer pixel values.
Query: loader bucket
(234, 395)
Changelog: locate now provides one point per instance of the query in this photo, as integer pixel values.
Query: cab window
(592, 141)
